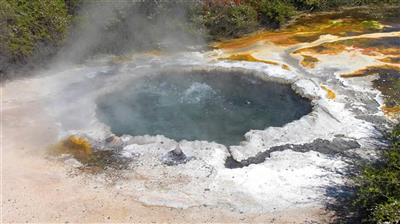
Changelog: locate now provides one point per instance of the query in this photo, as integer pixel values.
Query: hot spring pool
(212, 106)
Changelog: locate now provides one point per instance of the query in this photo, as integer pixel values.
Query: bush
(378, 187)
(276, 12)
(230, 21)
(27, 24)
(309, 4)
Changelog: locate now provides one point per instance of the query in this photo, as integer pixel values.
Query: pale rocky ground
(36, 189)
(290, 169)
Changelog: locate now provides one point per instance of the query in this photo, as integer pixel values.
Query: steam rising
(121, 27)
(113, 28)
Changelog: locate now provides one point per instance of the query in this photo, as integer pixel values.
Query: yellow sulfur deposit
(248, 57)
(329, 93)
(79, 143)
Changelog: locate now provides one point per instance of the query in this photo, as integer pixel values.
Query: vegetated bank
(31, 32)
(377, 198)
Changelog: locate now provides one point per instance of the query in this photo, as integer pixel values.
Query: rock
(73, 163)
(175, 157)
(114, 142)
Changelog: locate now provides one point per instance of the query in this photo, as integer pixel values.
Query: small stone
(110, 139)
(175, 157)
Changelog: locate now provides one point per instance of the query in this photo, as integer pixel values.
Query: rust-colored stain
(280, 38)
(359, 73)
(247, 57)
(391, 110)
(329, 93)
(309, 61)
(368, 46)
(326, 48)
(391, 60)
(370, 70)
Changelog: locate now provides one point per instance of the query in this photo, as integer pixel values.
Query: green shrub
(309, 4)
(230, 21)
(27, 23)
(378, 186)
(276, 12)
(387, 212)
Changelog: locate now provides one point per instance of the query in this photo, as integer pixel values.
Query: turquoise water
(217, 106)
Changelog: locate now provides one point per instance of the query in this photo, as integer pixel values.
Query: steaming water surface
(217, 106)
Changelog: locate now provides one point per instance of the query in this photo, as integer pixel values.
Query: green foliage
(310, 4)
(372, 24)
(387, 212)
(230, 21)
(395, 137)
(26, 23)
(389, 84)
(378, 186)
(276, 12)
